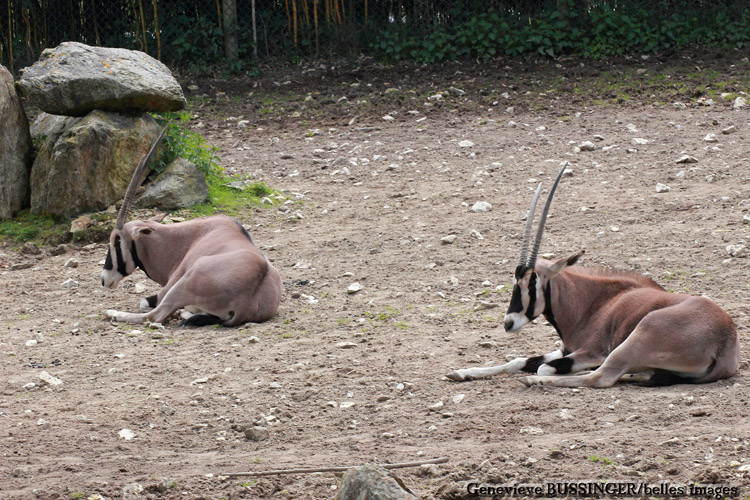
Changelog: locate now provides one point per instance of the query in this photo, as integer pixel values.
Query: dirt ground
(343, 378)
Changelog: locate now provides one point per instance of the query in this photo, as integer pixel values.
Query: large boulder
(73, 79)
(180, 185)
(15, 149)
(86, 164)
(372, 482)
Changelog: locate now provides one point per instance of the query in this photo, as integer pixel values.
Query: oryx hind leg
(518, 365)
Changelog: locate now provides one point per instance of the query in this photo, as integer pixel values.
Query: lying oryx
(620, 322)
(209, 267)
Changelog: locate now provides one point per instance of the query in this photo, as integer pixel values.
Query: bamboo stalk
(219, 14)
(156, 30)
(315, 17)
(310, 470)
(288, 19)
(143, 26)
(294, 17)
(10, 35)
(96, 23)
(255, 32)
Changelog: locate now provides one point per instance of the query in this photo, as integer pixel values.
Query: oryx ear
(561, 264)
(159, 218)
(138, 231)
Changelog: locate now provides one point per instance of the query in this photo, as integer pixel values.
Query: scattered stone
(531, 430)
(19, 267)
(679, 105)
(30, 248)
(81, 224)
(354, 288)
(437, 406)
(458, 398)
(729, 130)
(72, 263)
(662, 188)
(481, 206)
(59, 250)
(372, 482)
(436, 97)
(639, 141)
(31, 343)
(738, 250)
(487, 344)
(388, 118)
(346, 345)
(140, 288)
(586, 146)
(275, 386)
(746, 218)
(739, 102)
(476, 234)
(167, 410)
(456, 91)
(447, 240)
(132, 492)
(686, 159)
(705, 101)
(710, 138)
(257, 433)
(484, 305)
(465, 144)
(69, 283)
(126, 434)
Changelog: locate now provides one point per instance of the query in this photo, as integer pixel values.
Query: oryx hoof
(459, 376)
(530, 380)
(111, 314)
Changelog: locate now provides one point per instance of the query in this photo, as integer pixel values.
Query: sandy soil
(344, 378)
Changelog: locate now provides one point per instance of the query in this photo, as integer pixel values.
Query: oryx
(210, 267)
(614, 322)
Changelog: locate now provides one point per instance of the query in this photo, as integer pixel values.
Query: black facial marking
(516, 306)
(121, 268)
(533, 364)
(520, 271)
(108, 261)
(532, 296)
(561, 365)
(548, 310)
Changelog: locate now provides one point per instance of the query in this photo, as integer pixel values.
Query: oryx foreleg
(518, 365)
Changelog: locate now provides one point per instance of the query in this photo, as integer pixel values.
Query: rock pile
(93, 131)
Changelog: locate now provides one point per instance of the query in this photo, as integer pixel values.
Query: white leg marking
(144, 307)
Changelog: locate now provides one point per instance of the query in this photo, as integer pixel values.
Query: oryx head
(531, 278)
(122, 258)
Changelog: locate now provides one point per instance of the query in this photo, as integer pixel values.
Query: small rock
(257, 433)
(739, 102)
(487, 344)
(286, 156)
(481, 206)
(167, 410)
(436, 97)
(59, 250)
(738, 250)
(679, 105)
(531, 430)
(458, 398)
(81, 224)
(126, 434)
(456, 91)
(388, 118)
(275, 386)
(31, 343)
(346, 345)
(30, 248)
(686, 159)
(19, 267)
(476, 234)
(72, 262)
(354, 288)
(662, 188)
(50, 379)
(710, 138)
(447, 240)
(140, 288)
(639, 141)
(437, 406)
(586, 146)
(729, 130)
(746, 218)
(465, 144)
(69, 283)
(132, 491)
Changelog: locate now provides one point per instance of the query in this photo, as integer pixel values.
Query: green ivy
(182, 142)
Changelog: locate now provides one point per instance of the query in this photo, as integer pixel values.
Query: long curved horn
(529, 222)
(540, 229)
(135, 181)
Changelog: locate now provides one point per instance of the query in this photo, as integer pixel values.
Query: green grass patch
(29, 227)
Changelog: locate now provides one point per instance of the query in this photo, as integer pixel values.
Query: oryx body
(615, 323)
(209, 267)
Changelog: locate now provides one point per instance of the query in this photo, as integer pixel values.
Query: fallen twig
(309, 470)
